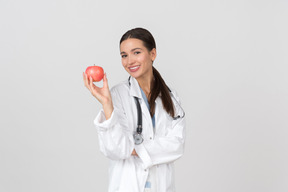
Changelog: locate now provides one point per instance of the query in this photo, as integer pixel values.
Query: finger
(90, 82)
(105, 81)
(92, 86)
(86, 80)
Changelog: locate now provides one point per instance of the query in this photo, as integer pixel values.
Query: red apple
(96, 72)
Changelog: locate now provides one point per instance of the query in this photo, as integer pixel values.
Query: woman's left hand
(134, 153)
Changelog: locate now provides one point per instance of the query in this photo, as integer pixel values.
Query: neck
(145, 83)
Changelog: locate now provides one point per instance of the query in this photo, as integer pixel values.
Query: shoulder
(174, 94)
(120, 89)
(120, 94)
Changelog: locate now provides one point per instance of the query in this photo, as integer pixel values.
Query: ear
(153, 54)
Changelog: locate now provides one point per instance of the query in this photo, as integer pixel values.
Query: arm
(165, 148)
(115, 139)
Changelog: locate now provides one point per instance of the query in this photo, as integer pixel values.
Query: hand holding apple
(102, 94)
(96, 72)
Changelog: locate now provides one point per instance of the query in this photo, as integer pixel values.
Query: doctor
(141, 127)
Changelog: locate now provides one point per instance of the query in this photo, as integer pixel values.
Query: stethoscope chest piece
(138, 139)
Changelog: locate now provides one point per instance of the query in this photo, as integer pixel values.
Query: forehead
(131, 43)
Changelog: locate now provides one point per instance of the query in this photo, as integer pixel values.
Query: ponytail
(159, 87)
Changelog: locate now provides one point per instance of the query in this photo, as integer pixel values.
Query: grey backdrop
(227, 60)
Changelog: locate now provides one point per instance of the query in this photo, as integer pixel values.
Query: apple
(96, 72)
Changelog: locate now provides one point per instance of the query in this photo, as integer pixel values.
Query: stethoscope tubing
(139, 110)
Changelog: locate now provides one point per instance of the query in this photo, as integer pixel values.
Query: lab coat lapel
(136, 92)
(134, 88)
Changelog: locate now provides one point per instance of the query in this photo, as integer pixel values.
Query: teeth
(134, 67)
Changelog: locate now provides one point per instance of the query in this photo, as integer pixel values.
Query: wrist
(107, 103)
(108, 109)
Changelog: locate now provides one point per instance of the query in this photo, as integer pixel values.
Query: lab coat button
(150, 137)
(145, 169)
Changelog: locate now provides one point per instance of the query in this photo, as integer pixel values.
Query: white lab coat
(128, 173)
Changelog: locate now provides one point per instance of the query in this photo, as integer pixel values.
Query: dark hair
(158, 86)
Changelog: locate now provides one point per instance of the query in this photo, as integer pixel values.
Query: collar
(134, 88)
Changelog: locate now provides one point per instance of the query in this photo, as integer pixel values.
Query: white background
(226, 59)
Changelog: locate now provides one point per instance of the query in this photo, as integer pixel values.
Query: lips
(134, 68)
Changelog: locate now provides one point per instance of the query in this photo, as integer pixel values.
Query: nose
(131, 60)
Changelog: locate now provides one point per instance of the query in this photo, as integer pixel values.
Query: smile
(134, 69)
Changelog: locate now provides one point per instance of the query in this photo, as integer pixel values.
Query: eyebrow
(131, 50)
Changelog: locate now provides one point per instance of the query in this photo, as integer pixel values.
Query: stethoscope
(138, 138)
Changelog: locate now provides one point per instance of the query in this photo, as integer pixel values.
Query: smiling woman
(141, 159)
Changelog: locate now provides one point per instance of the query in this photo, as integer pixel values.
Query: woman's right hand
(102, 94)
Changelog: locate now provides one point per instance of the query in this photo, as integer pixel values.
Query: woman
(140, 160)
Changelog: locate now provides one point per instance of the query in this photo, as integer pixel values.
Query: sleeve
(164, 149)
(115, 139)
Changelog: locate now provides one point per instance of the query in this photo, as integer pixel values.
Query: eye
(137, 52)
(123, 56)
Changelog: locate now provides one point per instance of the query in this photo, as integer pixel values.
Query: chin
(135, 75)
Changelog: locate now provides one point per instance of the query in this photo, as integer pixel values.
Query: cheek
(148, 61)
(124, 63)
(125, 66)
(144, 59)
